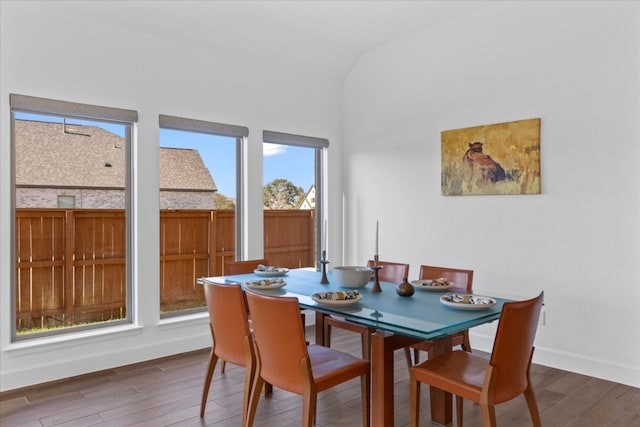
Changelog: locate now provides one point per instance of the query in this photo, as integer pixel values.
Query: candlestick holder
(324, 261)
(376, 281)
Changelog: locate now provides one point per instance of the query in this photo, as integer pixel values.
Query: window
(71, 226)
(199, 207)
(293, 198)
(68, 202)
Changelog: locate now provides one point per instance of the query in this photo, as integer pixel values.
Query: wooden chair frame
(280, 345)
(460, 277)
(391, 272)
(487, 382)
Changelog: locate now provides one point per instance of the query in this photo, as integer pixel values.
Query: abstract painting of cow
(502, 158)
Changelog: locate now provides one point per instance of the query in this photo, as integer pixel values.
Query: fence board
(224, 238)
(40, 249)
(100, 265)
(184, 255)
(71, 264)
(289, 237)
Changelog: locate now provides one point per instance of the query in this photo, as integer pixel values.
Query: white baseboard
(572, 362)
(43, 361)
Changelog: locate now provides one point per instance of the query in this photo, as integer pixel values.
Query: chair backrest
(243, 267)
(228, 320)
(280, 340)
(461, 278)
(513, 346)
(394, 272)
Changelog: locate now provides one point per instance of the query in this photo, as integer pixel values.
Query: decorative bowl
(352, 276)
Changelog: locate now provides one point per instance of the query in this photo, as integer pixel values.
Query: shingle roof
(47, 156)
(183, 169)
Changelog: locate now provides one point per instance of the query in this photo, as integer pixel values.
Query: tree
(220, 201)
(281, 194)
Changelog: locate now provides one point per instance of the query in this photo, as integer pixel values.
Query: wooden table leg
(441, 410)
(320, 327)
(381, 380)
(383, 345)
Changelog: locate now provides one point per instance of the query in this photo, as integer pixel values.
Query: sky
(295, 164)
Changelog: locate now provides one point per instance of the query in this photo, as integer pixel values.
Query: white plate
(332, 298)
(467, 301)
(430, 285)
(271, 273)
(266, 284)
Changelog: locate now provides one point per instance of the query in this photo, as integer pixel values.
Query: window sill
(185, 320)
(63, 340)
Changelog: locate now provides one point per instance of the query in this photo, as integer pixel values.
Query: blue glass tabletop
(421, 316)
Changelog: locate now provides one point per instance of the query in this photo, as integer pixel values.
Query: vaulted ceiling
(320, 36)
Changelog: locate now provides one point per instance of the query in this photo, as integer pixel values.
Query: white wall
(48, 52)
(576, 65)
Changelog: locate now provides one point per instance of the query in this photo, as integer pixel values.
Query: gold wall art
(502, 158)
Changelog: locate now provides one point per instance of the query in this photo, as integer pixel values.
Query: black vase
(405, 289)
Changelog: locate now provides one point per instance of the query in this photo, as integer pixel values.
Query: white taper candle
(377, 224)
(325, 236)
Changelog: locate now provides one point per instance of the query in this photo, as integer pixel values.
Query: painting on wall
(501, 158)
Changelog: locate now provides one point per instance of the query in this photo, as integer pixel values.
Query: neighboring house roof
(183, 169)
(90, 156)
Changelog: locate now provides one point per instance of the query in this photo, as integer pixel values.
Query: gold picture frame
(501, 158)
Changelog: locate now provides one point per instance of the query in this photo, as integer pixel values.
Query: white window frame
(319, 144)
(219, 129)
(128, 118)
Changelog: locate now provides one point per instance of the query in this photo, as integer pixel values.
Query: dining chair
(240, 267)
(394, 272)
(285, 360)
(232, 340)
(461, 278)
(246, 267)
(487, 382)
(390, 272)
(243, 267)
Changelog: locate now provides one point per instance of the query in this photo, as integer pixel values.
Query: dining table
(398, 321)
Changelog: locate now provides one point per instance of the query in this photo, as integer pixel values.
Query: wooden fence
(71, 270)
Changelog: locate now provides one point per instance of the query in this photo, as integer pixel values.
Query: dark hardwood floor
(167, 392)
